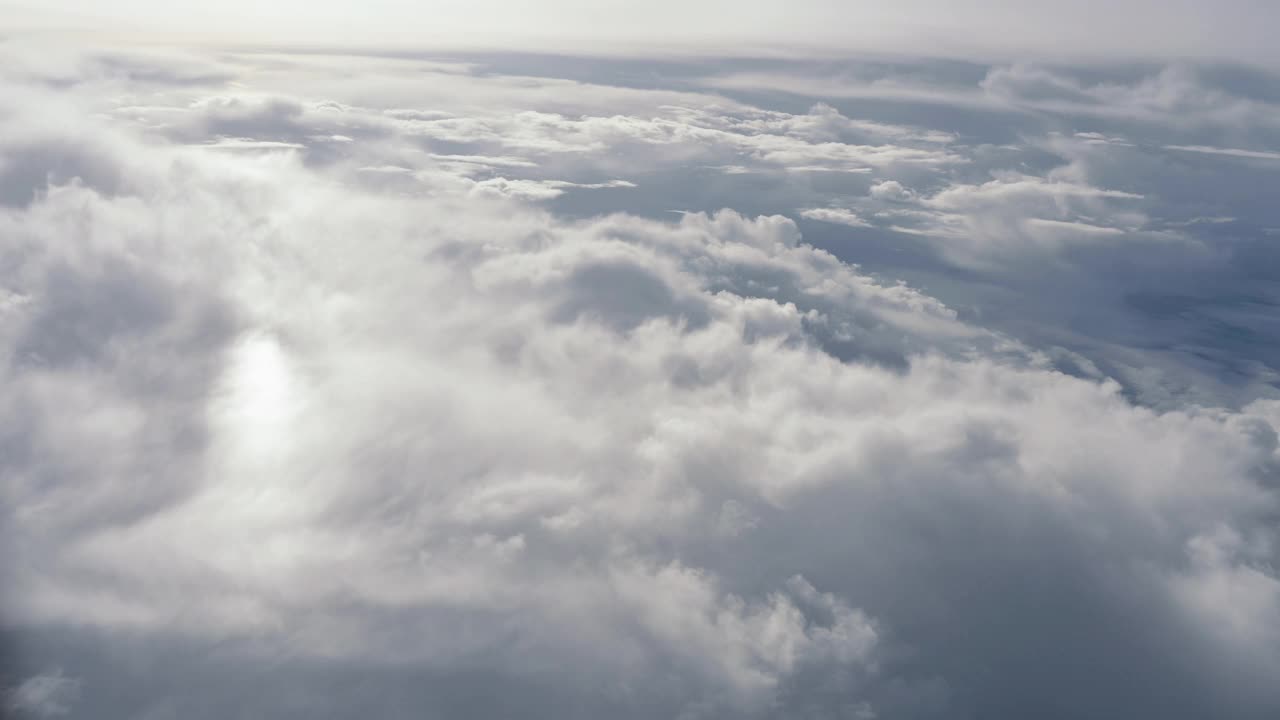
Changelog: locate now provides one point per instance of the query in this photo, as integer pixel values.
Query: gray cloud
(42, 696)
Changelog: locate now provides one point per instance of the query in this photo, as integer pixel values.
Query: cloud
(486, 161)
(891, 191)
(280, 429)
(1005, 221)
(250, 144)
(1172, 97)
(839, 216)
(540, 189)
(43, 696)
(683, 135)
(1230, 152)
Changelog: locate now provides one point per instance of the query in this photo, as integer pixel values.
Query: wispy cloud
(1230, 152)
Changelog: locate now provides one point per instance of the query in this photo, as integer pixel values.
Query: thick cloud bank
(312, 409)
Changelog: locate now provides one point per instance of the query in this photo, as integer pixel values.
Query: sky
(985, 29)
(667, 360)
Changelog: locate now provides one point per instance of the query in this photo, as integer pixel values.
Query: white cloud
(370, 410)
(684, 136)
(1172, 94)
(540, 189)
(1014, 218)
(840, 216)
(485, 160)
(1230, 152)
(250, 144)
(891, 191)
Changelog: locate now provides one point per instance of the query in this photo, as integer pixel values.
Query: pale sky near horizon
(1240, 30)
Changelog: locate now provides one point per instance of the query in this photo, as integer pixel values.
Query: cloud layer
(321, 404)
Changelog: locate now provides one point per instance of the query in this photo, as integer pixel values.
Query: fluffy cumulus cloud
(316, 405)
